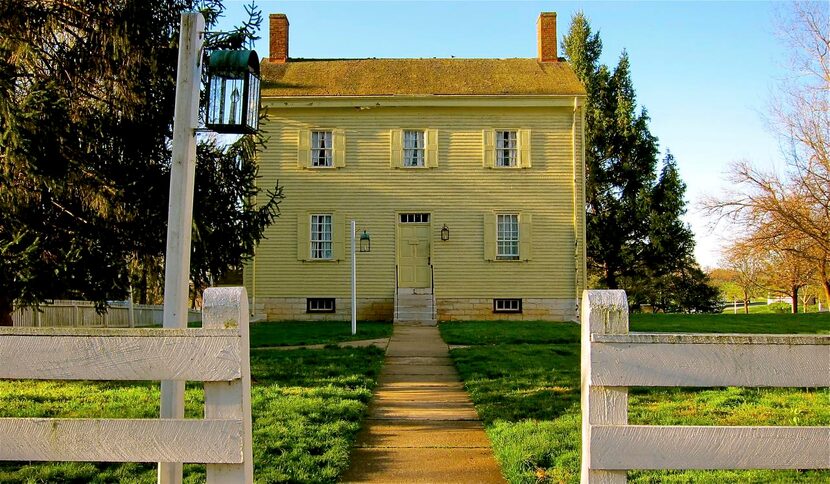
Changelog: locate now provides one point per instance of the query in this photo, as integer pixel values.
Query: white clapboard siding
(121, 440)
(681, 447)
(706, 361)
(614, 359)
(136, 354)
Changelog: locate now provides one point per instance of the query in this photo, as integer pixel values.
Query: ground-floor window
(321, 236)
(507, 305)
(320, 305)
(507, 236)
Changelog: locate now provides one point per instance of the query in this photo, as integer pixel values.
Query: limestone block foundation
(481, 309)
(294, 309)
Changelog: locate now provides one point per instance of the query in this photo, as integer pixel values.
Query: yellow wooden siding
(458, 192)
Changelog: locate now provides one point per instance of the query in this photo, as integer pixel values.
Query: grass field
(307, 407)
(292, 333)
(526, 390)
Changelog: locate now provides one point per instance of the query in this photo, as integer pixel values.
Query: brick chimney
(278, 48)
(545, 37)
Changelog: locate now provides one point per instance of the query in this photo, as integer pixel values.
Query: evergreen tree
(87, 92)
(635, 234)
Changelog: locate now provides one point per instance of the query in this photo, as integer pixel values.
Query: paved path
(422, 426)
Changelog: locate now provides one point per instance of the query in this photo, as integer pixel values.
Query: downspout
(575, 210)
(253, 285)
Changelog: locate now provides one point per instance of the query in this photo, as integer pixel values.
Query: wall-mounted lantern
(365, 242)
(445, 233)
(233, 91)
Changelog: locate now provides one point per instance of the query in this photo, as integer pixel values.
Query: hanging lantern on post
(365, 242)
(233, 91)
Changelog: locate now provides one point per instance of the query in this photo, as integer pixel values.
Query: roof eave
(375, 101)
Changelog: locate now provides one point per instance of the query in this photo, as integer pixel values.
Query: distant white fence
(82, 314)
(614, 359)
(217, 354)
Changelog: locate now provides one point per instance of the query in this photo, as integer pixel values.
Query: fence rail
(82, 314)
(217, 354)
(613, 359)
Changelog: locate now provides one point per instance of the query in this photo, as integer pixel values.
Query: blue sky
(704, 70)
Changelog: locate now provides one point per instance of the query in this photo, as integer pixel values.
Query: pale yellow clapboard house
(467, 174)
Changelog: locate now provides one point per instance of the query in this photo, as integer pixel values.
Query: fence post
(603, 312)
(227, 307)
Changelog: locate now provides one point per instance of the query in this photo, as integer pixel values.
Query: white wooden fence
(614, 359)
(217, 354)
(82, 314)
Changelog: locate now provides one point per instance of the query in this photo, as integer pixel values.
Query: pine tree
(635, 232)
(87, 92)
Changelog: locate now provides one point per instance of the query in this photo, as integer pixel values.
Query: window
(319, 305)
(413, 148)
(414, 218)
(506, 149)
(507, 237)
(507, 305)
(321, 149)
(321, 236)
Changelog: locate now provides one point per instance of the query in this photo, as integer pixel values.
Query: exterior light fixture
(445, 233)
(365, 242)
(233, 92)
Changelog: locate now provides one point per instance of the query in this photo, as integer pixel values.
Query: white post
(735, 307)
(130, 308)
(354, 283)
(603, 312)
(180, 210)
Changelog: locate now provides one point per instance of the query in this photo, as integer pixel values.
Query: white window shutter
(525, 236)
(396, 148)
(339, 142)
(524, 148)
(488, 148)
(303, 236)
(432, 148)
(304, 148)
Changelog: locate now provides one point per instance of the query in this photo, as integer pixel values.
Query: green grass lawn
(292, 333)
(307, 407)
(528, 394)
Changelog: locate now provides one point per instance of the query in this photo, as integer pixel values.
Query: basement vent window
(507, 305)
(320, 305)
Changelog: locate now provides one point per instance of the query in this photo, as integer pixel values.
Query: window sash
(321, 148)
(413, 148)
(321, 243)
(507, 148)
(507, 236)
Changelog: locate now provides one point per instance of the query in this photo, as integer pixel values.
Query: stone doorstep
(423, 465)
(426, 434)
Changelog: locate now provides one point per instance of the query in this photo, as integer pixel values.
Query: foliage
(87, 94)
(307, 407)
(636, 238)
(528, 396)
(780, 307)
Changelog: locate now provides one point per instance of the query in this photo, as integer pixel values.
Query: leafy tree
(634, 225)
(87, 92)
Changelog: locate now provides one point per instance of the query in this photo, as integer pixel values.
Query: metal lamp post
(365, 246)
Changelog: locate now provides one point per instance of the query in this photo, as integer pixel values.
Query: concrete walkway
(422, 426)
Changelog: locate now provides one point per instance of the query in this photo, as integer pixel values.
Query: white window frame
(322, 148)
(507, 238)
(414, 148)
(321, 246)
(507, 148)
(507, 305)
(320, 305)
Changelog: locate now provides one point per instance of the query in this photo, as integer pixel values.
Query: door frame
(398, 224)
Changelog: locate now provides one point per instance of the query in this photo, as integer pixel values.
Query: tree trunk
(794, 294)
(6, 310)
(746, 302)
(610, 277)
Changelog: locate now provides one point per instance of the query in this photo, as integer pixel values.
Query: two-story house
(466, 174)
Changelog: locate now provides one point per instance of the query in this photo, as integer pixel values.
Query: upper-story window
(321, 149)
(321, 247)
(413, 148)
(507, 148)
(507, 237)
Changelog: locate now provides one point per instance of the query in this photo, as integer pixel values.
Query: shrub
(780, 308)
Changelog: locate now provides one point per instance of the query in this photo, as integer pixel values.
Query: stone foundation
(481, 309)
(294, 309)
